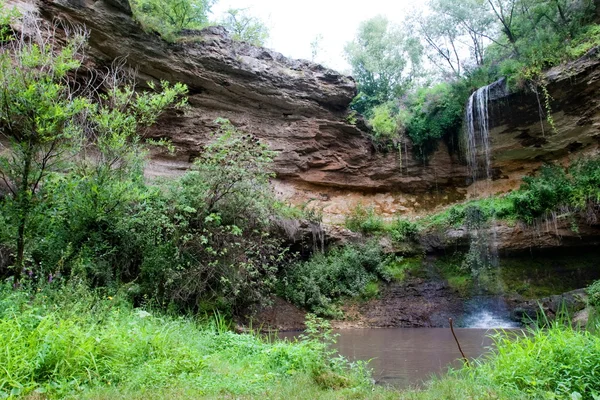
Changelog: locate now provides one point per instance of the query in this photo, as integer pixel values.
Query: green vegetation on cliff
(172, 18)
(471, 43)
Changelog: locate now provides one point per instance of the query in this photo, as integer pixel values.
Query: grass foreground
(73, 343)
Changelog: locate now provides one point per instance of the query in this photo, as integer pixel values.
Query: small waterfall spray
(483, 251)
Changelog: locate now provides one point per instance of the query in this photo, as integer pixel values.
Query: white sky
(295, 24)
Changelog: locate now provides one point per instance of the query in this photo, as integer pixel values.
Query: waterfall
(483, 251)
(477, 129)
(478, 132)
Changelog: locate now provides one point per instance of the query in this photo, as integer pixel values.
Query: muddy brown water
(407, 357)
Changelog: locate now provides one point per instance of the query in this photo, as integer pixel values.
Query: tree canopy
(244, 27)
(384, 61)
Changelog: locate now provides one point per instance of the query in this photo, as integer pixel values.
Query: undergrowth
(72, 342)
(319, 283)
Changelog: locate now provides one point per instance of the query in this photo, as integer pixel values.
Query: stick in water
(458, 344)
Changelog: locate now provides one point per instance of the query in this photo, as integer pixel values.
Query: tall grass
(71, 342)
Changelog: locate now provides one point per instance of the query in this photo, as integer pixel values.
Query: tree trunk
(24, 202)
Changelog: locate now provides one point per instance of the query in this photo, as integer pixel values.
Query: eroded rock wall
(300, 109)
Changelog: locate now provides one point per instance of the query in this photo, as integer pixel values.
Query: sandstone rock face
(517, 238)
(300, 109)
(522, 138)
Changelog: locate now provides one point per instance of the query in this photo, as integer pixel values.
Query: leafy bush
(364, 220)
(403, 229)
(198, 242)
(474, 213)
(343, 272)
(557, 189)
(593, 292)
(385, 125)
(397, 268)
(434, 113)
(541, 195)
(170, 17)
(215, 244)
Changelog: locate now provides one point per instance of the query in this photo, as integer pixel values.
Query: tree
(38, 109)
(384, 61)
(46, 115)
(245, 28)
(315, 47)
(455, 28)
(170, 17)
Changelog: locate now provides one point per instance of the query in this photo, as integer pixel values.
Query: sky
(294, 25)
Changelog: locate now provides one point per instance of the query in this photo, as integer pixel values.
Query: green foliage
(403, 230)
(383, 61)
(200, 242)
(216, 246)
(245, 28)
(49, 128)
(556, 189)
(385, 126)
(364, 220)
(70, 342)
(342, 272)
(473, 213)
(559, 360)
(400, 267)
(593, 292)
(435, 113)
(541, 195)
(170, 17)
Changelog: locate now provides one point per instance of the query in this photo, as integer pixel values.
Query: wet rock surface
(570, 303)
(517, 237)
(415, 303)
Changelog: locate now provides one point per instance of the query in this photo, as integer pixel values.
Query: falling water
(478, 132)
(483, 251)
(477, 121)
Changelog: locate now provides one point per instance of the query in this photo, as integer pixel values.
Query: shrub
(216, 246)
(593, 292)
(385, 126)
(541, 195)
(342, 272)
(198, 242)
(170, 17)
(402, 230)
(364, 220)
(435, 113)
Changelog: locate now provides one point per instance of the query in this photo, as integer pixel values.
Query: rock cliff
(300, 109)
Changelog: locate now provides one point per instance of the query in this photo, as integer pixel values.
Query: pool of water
(404, 357)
